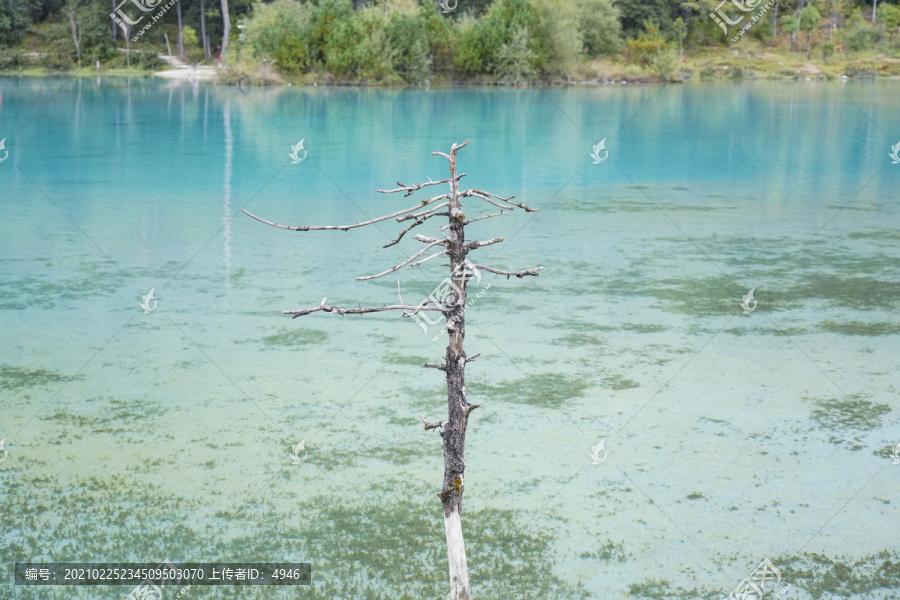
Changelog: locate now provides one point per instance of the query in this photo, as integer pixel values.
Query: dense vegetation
(415, 42)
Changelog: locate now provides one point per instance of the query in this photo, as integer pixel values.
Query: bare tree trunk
(128, 46)
(180, 33)
(203, 30)
(454, 433)
(75, 37)
(168, 46)
(114, 23)
(226, 21)
(775, 21)
(874, 6)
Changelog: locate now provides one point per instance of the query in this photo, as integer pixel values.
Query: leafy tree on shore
(791, 25)
(599, 26)
(810, 19)
(477, 51)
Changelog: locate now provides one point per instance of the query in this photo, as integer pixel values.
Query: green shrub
(599, 26)
(647, 46)
(277, 31)
(321, 21)
(477, 50)
(515, 60)
(357, 47)
(556, 36)
(409, 42)
(856, 34)
(665, 64)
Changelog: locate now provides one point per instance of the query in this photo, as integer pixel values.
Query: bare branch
(488, 200)
(416, 224)
(409, 189)
(472, 407)
(486, 196)
(522, 206)
(405, 262)
(473, 357)
(476, 244)
(499, 214)
(438, 425)
(441, 367)
(359, 311)
(452, 156)
(424, 212)
(424, 238)
(424, 260)
(533, 272)
(346, 227)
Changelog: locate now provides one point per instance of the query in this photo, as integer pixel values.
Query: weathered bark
(203, 37)
(454, 432)
(75, 35)
(180, 33)
(226, 23)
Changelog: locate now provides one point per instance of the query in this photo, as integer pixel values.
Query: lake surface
(729, 436)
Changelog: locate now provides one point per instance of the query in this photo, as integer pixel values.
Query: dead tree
(452, 305)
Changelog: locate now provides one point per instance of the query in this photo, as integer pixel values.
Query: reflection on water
(731, 437)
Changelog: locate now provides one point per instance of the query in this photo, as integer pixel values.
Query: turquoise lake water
(729, 436)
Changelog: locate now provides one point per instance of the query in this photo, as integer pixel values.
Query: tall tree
(450, 301)
(180, 32)
(226, 23)
(791, 25)
(75, 24)
(809, 19)
(203, 40)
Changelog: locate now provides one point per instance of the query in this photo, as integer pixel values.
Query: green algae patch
(547, 390)
(857, 293)
(872, 576)
(13, 378)
(861, 328)
(888, 235)
(617, 382)
(608, 552)
(296, 337)
(855, 413)
(822, 576)
(413, 361)
(578, 339)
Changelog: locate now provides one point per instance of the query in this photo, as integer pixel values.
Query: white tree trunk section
(456, 553)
